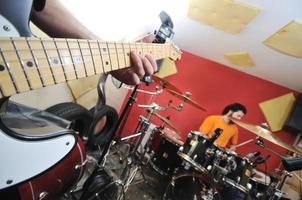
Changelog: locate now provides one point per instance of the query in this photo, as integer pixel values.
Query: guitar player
(55, 20)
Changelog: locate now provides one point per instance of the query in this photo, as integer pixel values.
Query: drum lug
(43, 195)
(80, 165)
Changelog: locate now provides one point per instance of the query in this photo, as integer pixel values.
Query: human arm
(57, 21)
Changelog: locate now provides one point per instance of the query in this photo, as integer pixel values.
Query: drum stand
(135, 158)
(277, 191)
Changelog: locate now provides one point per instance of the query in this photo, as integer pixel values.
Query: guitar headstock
(175, 52)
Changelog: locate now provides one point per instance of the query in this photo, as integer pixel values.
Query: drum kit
(196, 167)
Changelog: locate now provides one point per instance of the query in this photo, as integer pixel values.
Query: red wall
(213, 86)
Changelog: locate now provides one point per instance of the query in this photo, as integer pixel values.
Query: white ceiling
(125, 20)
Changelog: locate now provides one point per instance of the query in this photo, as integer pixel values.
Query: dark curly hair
(234, 107)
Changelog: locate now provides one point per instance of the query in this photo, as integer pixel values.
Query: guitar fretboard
(31, 63)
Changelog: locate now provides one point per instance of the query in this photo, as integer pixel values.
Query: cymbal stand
(277, 193)
(260, 143)
(277, 190)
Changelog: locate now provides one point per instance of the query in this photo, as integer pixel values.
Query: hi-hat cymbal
(265, 134)
(166, 121)
(186, 99)
(165, 84)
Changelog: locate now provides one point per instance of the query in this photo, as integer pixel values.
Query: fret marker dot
(128, 54)
(107, 63)
(29, 64)
(55, 61)
(104, 49)
(2, 68)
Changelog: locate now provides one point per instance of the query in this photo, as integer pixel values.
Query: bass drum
(189, 186)
(54, 182)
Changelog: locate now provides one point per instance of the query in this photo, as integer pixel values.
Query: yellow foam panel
(242, 59)
(287, 40)
(276, 110)
(167, 68)
(226, 15)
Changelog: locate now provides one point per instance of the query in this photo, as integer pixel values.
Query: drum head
(188, 187)
(172, 136)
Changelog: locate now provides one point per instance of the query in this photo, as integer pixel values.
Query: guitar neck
(31, 63)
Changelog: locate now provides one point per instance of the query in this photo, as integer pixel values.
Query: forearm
(57, 21)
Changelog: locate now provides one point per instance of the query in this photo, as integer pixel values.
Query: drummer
(229, 136)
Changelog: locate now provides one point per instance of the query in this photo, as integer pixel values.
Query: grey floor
(147, 183)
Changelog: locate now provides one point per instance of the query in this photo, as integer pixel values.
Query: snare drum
(196, 151)
(165, 159)
(260, 184)
(189, 186)
(240, 172)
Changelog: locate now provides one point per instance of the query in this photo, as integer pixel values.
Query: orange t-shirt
(228, 135)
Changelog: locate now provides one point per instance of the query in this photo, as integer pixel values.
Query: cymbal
(165, 84)
(186, 99)
(265, 134)
(166, 121)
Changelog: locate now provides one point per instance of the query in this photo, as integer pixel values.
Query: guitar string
(71, 56)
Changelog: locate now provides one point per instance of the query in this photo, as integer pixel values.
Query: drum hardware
(186, 99)
(260, 143)
(277, 191)
(165, 84)
(157, 90)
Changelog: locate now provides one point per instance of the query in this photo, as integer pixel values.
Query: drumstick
(243, 143)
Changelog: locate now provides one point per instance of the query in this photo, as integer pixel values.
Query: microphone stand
(121, 119)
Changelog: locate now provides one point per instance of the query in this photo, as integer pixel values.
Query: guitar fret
(120, 55)
(96, 56)
(65, 59)
(105, 55)
(54, 61)
(74, 67)
(94, 68)
(60, 59)
(127, 50)
(7, 79)
(35, 62)
(109, 55)
(124, 55)
(21, 64)
(76, 57)
(82, 58)
(101, 56)
(113, 56)
(17, 71)
(87, 59)
(47, 59)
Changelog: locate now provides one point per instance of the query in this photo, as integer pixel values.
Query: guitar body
(58, 179)
(39, 157)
